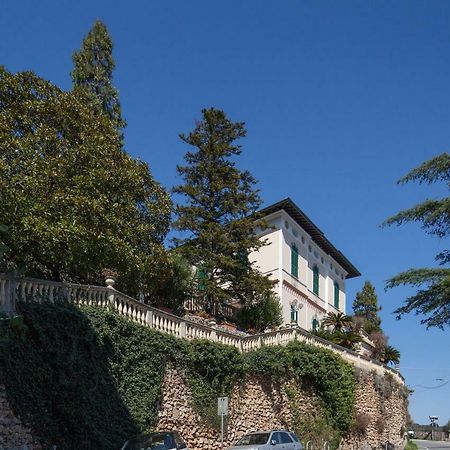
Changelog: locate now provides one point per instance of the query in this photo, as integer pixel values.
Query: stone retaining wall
(13, 434)
(257, 404)
(381, 408)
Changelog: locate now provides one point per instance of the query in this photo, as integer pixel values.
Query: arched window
(294, 314)
(315, 324)
(336, 295)
(316, 280)
(294, 261)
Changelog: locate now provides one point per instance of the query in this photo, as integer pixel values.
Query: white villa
(311, 272)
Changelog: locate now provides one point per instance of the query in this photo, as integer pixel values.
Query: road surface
(438, 445)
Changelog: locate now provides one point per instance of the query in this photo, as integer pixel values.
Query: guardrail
(21, 289)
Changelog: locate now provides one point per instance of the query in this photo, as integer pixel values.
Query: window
(242, 256)
(315, 324)
(294, 261)
(336, 295)
(253, 439)
(276, 437)
(294, 314)
(316, 280)
(285, 438)
(201, 276)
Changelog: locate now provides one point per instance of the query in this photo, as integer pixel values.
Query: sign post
(222, 410)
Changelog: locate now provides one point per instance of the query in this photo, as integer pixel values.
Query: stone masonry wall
(380, 411)
(257, 404)
(13, 434)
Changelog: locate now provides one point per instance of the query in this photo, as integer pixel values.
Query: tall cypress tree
(366, 306)
(220, 215)
(93, 69)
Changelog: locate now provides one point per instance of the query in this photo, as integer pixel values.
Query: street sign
(222, 406)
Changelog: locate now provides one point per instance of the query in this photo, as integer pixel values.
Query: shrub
(266, 313)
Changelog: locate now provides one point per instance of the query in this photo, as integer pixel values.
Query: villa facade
(311, 272)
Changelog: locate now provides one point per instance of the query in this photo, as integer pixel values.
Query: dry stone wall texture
(256, 404)
(13, 434)
(260, 405)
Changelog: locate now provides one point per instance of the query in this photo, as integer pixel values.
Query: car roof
(267, 431)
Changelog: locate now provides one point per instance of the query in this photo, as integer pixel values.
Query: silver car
(268, 440)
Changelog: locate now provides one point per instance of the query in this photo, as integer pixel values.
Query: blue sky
(340, 100)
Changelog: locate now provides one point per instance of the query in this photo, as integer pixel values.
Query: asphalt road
(432, 444)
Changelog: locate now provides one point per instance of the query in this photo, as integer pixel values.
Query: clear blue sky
(340, 100)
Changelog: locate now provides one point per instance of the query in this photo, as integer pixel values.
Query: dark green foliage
(432, 299)
(93, 69)
(390, 355)
(74, 202)
(338, 328)
(366, 306)
(330, 377)
(336, 387)
(175, 285)
(87, 378)
(257, 316)
(59, 380)
(219, 216)
(211, 372)
(337, 321)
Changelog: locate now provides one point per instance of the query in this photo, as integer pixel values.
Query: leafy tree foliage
(74, 202)
(265, 313)
(175, 285)
(93, 69)
(220, 216)
(433, 297)
(366, 306)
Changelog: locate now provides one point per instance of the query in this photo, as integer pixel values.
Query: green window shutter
(315, 324)
(294, 261)
(336, 295)
(243, 259)
(316, 280)
(294, 314)
(201, 276)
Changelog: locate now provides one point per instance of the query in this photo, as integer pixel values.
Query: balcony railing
(14, 290)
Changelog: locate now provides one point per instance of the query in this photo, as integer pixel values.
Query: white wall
(276, 260)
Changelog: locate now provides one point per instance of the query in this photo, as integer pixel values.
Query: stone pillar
(110, 282)
(182, 329)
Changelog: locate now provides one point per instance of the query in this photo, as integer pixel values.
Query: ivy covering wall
(88, 378)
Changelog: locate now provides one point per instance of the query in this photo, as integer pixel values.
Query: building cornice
(314, 232)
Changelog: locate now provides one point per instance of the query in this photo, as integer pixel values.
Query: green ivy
(88, 378)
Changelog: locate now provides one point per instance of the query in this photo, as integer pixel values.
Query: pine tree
(433, 297)
(93, 69)
(366, 306)
(220, 214)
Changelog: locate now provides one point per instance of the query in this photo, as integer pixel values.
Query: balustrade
(13, 290)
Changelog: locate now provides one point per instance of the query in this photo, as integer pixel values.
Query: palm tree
(390, 355)
(346, 338)
(337, 321)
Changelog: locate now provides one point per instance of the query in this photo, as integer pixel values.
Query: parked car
(268, 440)
(160, 440)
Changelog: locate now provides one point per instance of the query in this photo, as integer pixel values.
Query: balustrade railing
(20, 289)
